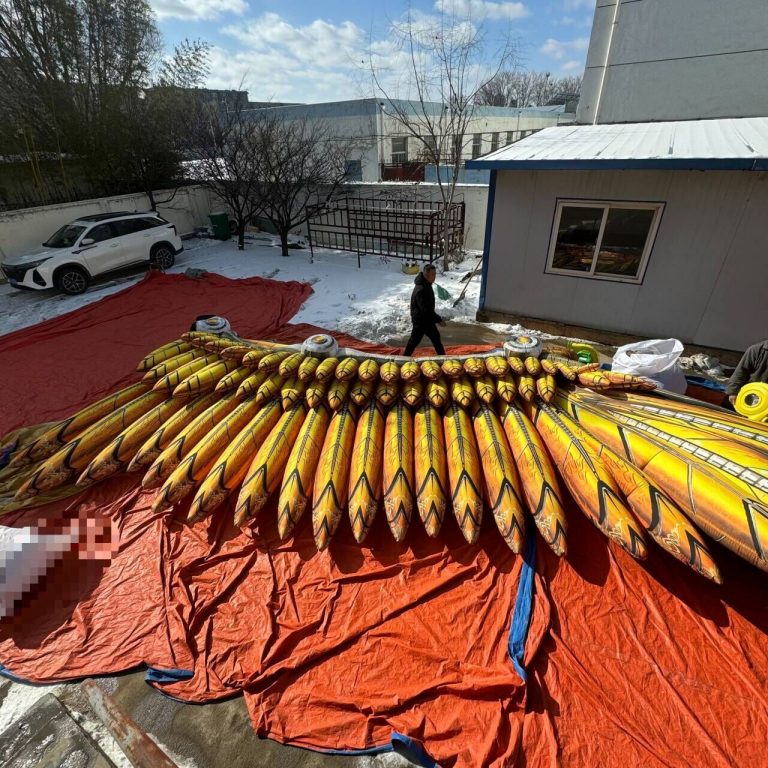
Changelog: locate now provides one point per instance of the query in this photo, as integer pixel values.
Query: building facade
(676, 60)
(382, 149)
(646, 216)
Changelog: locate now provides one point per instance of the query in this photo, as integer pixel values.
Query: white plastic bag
(655, 359)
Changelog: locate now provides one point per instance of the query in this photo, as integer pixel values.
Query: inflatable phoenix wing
(336, 432)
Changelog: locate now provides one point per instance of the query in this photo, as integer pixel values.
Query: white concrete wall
(676, 60)
(707, 276)
(26, 228)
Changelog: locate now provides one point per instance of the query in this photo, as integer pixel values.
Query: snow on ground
(371, 302)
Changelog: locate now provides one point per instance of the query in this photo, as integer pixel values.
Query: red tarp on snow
(634, 664)
(51, 369)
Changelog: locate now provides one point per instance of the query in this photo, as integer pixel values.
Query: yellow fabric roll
(752, 401)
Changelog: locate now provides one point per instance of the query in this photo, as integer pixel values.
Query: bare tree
(261, 164)
(514, 88)
(301, 168)
(447, 67)
(87, 82)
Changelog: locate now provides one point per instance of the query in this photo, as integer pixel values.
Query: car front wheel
(162, 257)
(72, 280)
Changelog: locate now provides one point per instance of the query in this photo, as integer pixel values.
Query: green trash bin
(220, 225)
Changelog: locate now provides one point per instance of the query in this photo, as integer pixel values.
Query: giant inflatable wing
(336, 433)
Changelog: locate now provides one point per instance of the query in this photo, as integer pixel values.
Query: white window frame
(658, 209)
(400, 154)
(477, 145)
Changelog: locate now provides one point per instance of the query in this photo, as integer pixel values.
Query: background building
(681, 60)
(652, 228)
(382, 150)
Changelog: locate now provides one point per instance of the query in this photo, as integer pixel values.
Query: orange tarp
(628, 664)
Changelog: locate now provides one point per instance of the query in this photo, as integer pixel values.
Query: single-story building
(655, 229)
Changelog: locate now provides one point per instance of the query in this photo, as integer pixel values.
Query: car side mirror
(87, 241)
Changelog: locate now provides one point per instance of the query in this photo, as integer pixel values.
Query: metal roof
(725, 144)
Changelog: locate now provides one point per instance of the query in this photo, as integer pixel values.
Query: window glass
(477, 144)
(509, 137)
(354, 170)
(66, 237)
(494, 141)
(576, 238)
(101, 232)
(129, 226)
(624, 237)
(400, 149)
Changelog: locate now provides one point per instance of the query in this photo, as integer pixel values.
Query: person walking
(423, 315)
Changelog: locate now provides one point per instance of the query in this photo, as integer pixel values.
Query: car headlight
(33, 264)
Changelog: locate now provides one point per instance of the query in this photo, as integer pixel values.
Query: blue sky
(295, 50)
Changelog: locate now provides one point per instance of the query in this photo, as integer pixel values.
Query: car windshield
(66, 237)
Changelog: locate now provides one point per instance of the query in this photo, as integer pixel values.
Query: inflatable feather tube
(589, 482)
(75, 456)
(62, 432)
(114, 457)
(735, 519)
(660, 516)
(190, 435)
(168, 430)
(230, 467)
(538, 477)
(430, 467)
(397, 470)
(199, 461)
(330, 491)
(298, 477)
(165, 352)
(365, 469)
(266, 470)
(463, 472)
(501, 479)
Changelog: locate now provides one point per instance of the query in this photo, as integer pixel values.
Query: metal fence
(400, 229)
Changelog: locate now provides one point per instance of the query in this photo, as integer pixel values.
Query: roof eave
(614, 164)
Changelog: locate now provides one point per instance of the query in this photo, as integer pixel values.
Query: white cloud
(483, 9)
(197, 10)
(275, 60)
(572, 65)
(563, 49)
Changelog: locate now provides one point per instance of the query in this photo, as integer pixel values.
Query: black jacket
(423, 303)
(752, 367)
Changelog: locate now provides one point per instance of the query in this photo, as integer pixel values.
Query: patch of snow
(20, 698)
(371, 302)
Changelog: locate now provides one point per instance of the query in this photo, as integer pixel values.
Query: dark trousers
(418, 333)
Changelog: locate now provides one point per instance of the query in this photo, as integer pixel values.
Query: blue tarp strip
(156, 675)
(412, 749)
(5, 672)
(518, 631)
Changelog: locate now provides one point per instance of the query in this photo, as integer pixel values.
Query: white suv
(92, 246)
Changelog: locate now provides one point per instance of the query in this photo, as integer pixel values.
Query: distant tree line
(517, 88)
(85, 85)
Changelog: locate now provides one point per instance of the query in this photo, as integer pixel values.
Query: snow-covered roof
(725, 144)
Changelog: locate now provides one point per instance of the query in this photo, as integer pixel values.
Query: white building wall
(24, 229)
(707, 276)
(676, 60)
(474, 196)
